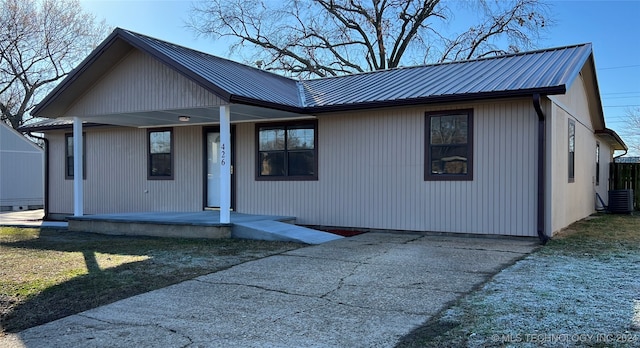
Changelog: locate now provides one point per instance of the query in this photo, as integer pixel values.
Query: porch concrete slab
(309, 297)
(198, 218)
(272, 230)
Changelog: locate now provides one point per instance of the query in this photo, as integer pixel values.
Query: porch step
(280, 231)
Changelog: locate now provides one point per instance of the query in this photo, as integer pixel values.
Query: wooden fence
(623, 176)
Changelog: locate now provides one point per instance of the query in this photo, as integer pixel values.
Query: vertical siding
(21, 170)
(371, 167)
(116, 177)
(141, 83)
(60, 190)
(371, 174)
(574, 201)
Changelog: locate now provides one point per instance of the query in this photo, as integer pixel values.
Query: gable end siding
(141, 83)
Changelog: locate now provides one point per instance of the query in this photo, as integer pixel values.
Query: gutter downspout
(46, 174)
(541, 169)
(616, 157)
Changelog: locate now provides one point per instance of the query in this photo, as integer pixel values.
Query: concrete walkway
(28, 218)
(364, 291)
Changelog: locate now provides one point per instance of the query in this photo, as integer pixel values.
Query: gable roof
(549, 71)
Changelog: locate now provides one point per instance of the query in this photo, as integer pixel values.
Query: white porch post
(225, 164)
(78, 196)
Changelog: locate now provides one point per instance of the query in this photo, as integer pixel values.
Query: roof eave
(44, 128)
(270, 105)
(613, 137)
(451, 98)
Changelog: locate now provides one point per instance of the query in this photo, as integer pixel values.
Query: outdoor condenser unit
(621, 201)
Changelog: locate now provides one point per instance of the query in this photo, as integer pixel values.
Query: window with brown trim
(68, 151)
(597, 164)
(449, 145)
(287, 151)
(160, 154)
(572, 151)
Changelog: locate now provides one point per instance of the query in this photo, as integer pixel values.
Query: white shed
(21, 171)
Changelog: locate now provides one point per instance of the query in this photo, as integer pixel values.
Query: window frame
(285, 126)
(428, 175)
(571, 151)
(597, 163)
(171, 154)
(67, 156)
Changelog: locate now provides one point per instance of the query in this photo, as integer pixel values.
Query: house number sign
(223, 155)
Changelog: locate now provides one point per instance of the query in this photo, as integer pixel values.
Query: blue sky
(612, 26)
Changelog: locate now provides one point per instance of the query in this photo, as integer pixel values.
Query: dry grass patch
(49, 274)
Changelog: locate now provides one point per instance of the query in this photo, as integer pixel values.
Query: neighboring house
(511, 145)
(21, 171)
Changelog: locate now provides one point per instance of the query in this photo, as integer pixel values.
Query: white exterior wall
(116, 173)
(371, 174)
(572, 201)
(21, 171)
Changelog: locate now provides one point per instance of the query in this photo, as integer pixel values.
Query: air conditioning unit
(621, 201)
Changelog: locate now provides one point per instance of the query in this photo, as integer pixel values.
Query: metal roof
(548, 71)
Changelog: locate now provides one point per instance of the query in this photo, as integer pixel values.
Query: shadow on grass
(169, 261)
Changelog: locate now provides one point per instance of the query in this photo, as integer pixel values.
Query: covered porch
(139, 82)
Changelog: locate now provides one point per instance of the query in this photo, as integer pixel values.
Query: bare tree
(333, 37)
(40, 43)
(631, 133)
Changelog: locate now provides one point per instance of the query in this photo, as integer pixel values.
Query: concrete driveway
(364, 291)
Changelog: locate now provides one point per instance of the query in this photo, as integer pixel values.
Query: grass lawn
(581, 290)
(49, 274)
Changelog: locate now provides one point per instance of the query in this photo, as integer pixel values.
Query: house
(21, 171)
(511, 145)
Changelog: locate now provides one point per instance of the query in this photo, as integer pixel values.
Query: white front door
(213, 169)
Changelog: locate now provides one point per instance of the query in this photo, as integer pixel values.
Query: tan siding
(371, 167)
(116, 179)
(141, 83)
(574, 201)
(60, 190)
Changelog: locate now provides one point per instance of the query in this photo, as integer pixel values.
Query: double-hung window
(449, 145)
(287, 151)
(160, 155)
(68, 149)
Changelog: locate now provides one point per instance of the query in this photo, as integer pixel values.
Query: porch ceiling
(200, 115)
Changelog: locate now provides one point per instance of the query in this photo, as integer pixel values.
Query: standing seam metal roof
(552, 70)
(549, 71)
